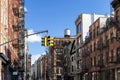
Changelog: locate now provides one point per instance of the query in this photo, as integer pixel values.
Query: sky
(55, 16)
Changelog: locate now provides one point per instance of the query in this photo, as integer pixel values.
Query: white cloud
(36, 56)
(25, 9)
(33, 38)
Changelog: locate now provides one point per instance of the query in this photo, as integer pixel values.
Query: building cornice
(115, 4)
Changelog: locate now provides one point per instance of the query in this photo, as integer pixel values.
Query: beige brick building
(57, 57)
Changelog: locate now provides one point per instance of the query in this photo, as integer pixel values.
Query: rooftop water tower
(67, 33)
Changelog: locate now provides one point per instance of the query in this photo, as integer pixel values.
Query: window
(79, 40)
(57, 71)
(94, 33)
(98, 45)
(112, 74)
(94, 46)
(101, 43)
(58, 64)
(90, 35)
(6, 52)
(112, 56)
(57, 42)
(4, 18)
(3, 72)
(72, 58)
(97, 30)
(102, 59)
(90, 48)
(78, 53)
(111, 36)
(107, 57)
(118, 74)
(118, 55)
(117, 15)
(106, 37)
(118, 35)
(59, 50)
(61, 42)
(78, 65)
(72, 68)
(106, 40)
(99, 60)
(59, 57)
(94, 61)
(79, 28)
(66, 51)
(91, 63)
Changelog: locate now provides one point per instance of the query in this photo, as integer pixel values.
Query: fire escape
(21, 52)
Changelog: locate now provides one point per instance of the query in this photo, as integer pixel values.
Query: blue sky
(55, 16)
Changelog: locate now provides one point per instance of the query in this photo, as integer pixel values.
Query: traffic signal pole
(25, 36)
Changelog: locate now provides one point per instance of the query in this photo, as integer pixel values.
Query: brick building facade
(101, 50)
(10, 17)
(57, 57)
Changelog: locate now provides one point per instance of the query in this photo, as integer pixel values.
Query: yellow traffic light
(50, 41)
(44, 41)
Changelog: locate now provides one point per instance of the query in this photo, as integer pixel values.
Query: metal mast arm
(37, 33)
(24, 37)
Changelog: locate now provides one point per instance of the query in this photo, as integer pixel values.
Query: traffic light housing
(50, 41)
(44, 41)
